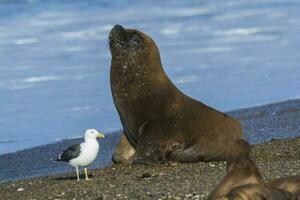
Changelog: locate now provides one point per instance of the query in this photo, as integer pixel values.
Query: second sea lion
(243, 180)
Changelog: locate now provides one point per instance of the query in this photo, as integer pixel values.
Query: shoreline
(236, 113)
(262, 123)
(30, 174)
(277, 158)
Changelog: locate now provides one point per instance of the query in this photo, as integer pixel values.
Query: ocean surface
(55, 59)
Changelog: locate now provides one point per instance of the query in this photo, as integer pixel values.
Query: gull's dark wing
(70, 153)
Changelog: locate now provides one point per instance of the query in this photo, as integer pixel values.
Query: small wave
(26, 83)
(7, 141)
(187, 79)
(94, 33)
(75, 137)
(214, 49)
(247, 31)
(205, 50)
(46, 22)
(73, 49)
(76, 109)
(170, 31)
(238, 31)
(182, 12)
(244, 14)
(26, 41)
(253, 38)
(35, 79)
(16, 87)
(70, 138)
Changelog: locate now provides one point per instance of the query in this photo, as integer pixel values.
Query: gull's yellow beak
(100, 135)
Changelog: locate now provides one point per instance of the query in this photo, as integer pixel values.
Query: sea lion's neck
(241, 171)
(141, 74)
(243, 167)
(134, 82)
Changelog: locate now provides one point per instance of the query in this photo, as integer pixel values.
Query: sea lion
(243, 180)
(290, 184)
(258, 192)
(160, 123)
(241, 170)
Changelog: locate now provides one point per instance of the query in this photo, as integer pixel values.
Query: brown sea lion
(258, 192)
(241, 170)
(161, 123)
(290, 184)
(243, 180)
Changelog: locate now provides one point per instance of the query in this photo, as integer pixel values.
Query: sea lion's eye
(135, 39)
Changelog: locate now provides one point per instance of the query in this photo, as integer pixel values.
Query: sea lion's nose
(117, 30)
(118, 27)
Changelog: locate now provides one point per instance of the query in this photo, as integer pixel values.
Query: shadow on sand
(81, 176)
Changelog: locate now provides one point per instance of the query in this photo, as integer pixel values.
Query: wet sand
(276, 158)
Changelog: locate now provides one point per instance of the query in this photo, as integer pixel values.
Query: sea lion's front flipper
(149, 149)
(155, 146)
(145, 153)
(124, 152)
(191, 154)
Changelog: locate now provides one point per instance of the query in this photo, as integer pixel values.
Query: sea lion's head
(132, 44)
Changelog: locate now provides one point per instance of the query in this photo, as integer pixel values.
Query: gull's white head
(93, 134)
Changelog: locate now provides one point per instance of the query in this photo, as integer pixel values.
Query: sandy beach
(276, 158)
(174, 181)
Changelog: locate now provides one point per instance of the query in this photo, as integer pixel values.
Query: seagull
(82, 155)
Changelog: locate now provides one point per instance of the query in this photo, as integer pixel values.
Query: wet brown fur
(243, 180)
(290, 184)
(241, 170)
(159, 121)
(259, 192)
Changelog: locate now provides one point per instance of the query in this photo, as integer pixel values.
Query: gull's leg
(86, 174)
(77, 173)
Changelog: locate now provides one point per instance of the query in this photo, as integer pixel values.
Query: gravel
(275, 159)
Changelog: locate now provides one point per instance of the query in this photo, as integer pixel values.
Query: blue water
(55, 60)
